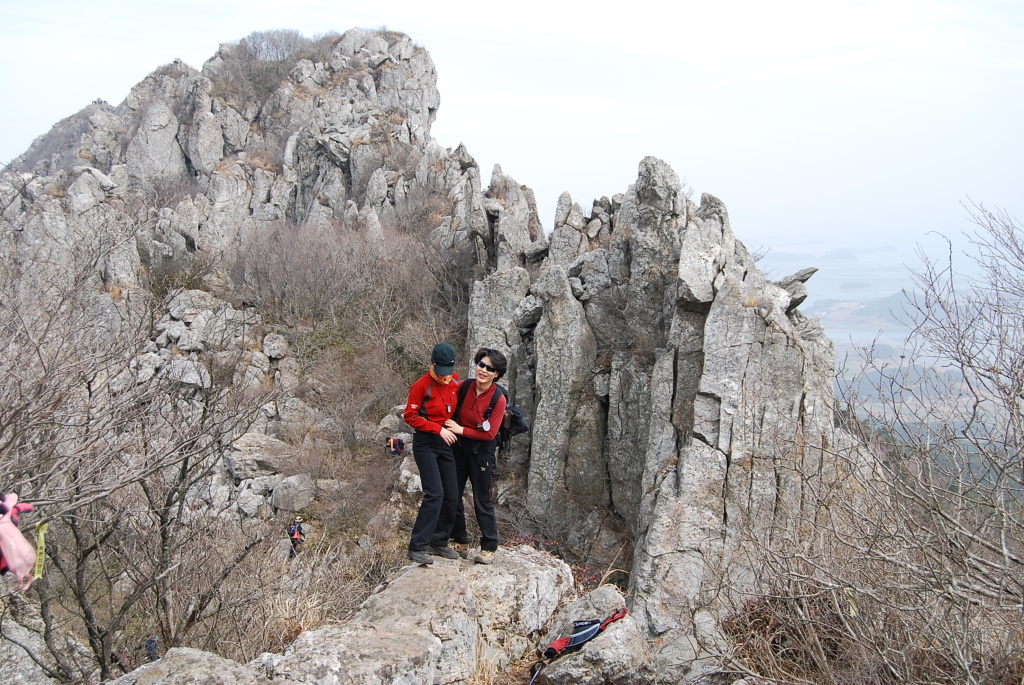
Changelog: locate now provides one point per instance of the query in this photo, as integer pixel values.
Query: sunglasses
(487, 366)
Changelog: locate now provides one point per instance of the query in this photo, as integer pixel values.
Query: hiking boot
(446, 552)
(462, 548)
(486, 556)
(420, 557)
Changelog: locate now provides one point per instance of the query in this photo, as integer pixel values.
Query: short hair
(498, 360)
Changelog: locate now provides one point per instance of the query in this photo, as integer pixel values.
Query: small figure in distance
(152, 645)
(395, 446)
(296, 535)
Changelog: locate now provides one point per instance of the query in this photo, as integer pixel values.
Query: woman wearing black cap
(432, 402)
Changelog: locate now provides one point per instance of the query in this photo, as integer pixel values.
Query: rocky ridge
(453, 622)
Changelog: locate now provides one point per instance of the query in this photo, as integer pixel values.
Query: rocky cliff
(680, 402)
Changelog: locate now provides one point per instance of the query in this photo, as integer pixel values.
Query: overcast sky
(839, 133)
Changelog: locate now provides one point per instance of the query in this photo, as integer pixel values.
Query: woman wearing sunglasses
(474, 454)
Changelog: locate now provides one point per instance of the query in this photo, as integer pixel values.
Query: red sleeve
(496, 417)
(413, 404)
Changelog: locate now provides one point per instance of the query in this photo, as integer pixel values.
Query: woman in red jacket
(474, 454)
(432, 402)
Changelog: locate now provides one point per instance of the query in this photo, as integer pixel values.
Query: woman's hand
(453, 427)
(448, 437)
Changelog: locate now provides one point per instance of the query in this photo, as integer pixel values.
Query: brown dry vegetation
(260, 62)
(363, 311)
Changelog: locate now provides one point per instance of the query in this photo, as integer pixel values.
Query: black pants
(474, 461)
(436, 463)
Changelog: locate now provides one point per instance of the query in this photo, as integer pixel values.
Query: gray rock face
(496, 300)
(254, 454)
(294, 493)
(189, 372)
(16, 667)
(672, 383)
(155, 155)
(205, 142)
(565, 435)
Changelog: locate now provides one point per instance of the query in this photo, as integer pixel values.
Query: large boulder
(183, 665)
(294, 493)
(613, 656)
(255, 454)
(454, 622)
(355, 652)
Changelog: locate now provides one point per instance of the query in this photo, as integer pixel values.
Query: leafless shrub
(367, 308)
(326, 583)
(275, 45)
(913, 570)
(452, 268)
(186, 272)
(268, 154)
(262, 60)
(169, 192)
(112, 459)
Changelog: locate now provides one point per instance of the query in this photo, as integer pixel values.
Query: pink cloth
(19, 555)
(16, 513)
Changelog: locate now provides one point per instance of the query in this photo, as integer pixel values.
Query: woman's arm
(475, 433)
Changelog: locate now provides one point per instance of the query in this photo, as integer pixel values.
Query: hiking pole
(582, 632)
(538, 667)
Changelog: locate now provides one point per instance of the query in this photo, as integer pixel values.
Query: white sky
(839, 133)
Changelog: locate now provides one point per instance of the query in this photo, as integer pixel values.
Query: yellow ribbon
(37, 572)
(853, 600)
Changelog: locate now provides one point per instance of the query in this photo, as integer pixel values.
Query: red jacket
(439, 407)
(471, 413)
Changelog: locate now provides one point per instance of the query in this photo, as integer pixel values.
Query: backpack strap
(464, 390)
(426, 396)
(494, 400)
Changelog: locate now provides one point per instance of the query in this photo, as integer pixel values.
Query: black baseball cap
(443, 359)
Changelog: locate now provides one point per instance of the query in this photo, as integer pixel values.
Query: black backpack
(513, 423)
